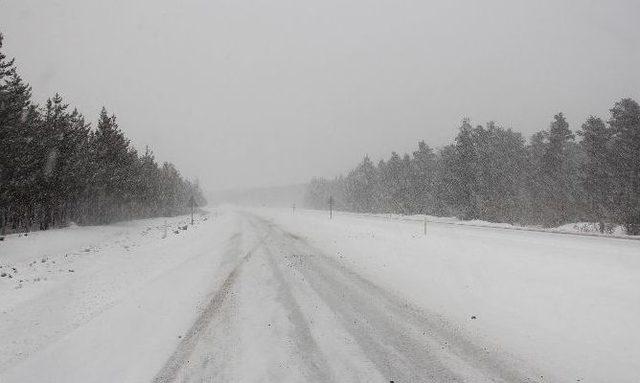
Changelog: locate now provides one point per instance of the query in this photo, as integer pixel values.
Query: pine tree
(625, 125)
(16, 113)
(171, 198)
(57, 148)
(501, 158)
(148, 184)
(489, 173)
(596, 170)
(557, 173)
(447, 180)
(111, 154)
(535, 184)
(424, 179)
(392, 184)
(7, 69)
(465, 170)
(54, 168)
(361, 185)
(320, 190)
(8, 130)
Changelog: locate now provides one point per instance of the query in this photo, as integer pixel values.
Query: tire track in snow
(406, 344)
(318, 369)
(401, 342)
(169, 372)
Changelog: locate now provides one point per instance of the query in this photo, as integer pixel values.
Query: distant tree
(625, 125)
(596, 170)
(447, 183)
(361, 185)
(490, 173)
(535, 179)
(62, 137)
(558, 177)
(147, 185)
(171, 197)
(320, 190)
(424, 179)
(381, 190)
(392, 184)
(407, 189)
(17, 117)
(501, 167)
(54, 169)
(465, 172)
(8, 136)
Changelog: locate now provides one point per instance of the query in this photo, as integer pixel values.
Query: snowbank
(577, 228)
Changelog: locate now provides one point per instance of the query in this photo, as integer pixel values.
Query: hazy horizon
(260, 94)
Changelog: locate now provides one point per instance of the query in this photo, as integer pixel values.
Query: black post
(192, 202)
(425, 225)
(3, 222)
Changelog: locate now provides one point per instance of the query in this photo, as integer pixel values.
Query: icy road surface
(264, 295)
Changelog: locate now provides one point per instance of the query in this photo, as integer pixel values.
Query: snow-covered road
(313, 319)
(264, 295)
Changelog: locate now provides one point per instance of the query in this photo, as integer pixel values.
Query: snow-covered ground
(567, 304)
(104, 304)
(266, 295)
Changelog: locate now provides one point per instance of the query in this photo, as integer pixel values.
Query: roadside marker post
(425, 226)
(192, 203)
(331, 207)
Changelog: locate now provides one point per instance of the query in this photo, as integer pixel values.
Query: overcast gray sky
(269, 92)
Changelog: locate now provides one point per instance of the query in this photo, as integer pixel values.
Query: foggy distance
(219, 87)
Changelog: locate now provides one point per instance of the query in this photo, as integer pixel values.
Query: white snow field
(257, 295)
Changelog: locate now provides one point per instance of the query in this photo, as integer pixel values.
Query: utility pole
(331, 207)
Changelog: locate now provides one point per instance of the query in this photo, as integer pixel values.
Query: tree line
(492, 173)
(56, 168)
